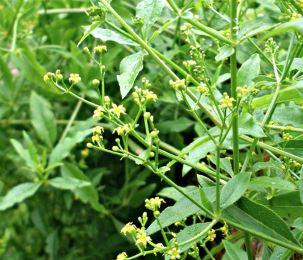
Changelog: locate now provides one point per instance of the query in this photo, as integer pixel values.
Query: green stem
(233, 71)
(248, 246)
(218, 181)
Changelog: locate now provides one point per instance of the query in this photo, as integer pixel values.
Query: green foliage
(200, 100)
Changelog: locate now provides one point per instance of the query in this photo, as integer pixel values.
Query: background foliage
(87, 196)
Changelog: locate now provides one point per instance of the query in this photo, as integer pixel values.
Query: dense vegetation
(151, 129)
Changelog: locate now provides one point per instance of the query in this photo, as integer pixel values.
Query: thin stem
(233, 72)
(218, 181)
(248, 246)
(71, 120)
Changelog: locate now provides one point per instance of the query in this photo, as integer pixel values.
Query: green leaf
(88, 30)
(301, 185)
(174, 126)
(258, 219)
(249, 70)
(296, 25)
(197, 150)
(43, 119)
(87, 194)
(287, 205)
(172, 193)
(263, 182)
(224, 52)
(52, 245)
(68, 183)
(249, 126)
(23, 153)
(76, 135)
(234, 189)
(130, 67)
(106, 35)
(18, 194)
(293, 93)
(149, 11)
(31, 148)
(176, 212)
(232, 252)
(189, 233)
(204, 200)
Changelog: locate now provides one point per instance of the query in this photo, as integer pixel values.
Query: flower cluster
(154, 204)
(141, 96)
(122, 130)
(227, 101)
(203, 89)
(174, 253)
(74, 78)
(98, 113)
(100, 49)
(242, 91)
(178, 84)
(97, 134)
(211, 235)
(118, 110)
(287, 137)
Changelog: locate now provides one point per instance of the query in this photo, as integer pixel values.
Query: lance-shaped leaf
(149, 11)
(68, 183)
(249, 70)
(18, 194)
(109, 35)
(43, 119)
(130, 67)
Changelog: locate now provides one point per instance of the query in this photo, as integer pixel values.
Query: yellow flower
(85, 152)
(226, 101)
(154, 203)
(287, 137)
(100, 49)
(97, 138)
(118, 110)
(122, 130)
(174, 253)
(150, 95)
(96, 82)
(48, 76)
(242, 91)
(98, 113)
(177, 84)
(98, 130)
(142, 238)
(202, 88)
(129, 228)
(74, 78)
(295, 16)
(122, 256)
(211, 235)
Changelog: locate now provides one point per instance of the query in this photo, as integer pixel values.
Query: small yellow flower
(211, 235)
(115, 148)
(107, 99)
(226, 101)
(58, 75)
(242, 91)
(295, 16)
(122, 256)
(97, 138)
(202, 88)
(174, 253)
(98, 113)
(118, 110)
(287, 137)
(95, 82)
(154, 203)
(129, 228)
(85, 152)
(122, 130)
(48, 76)
(100, 49)
(177, 84)
(74, 78)
(150, 95)
(98, 130)
(142, 238)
